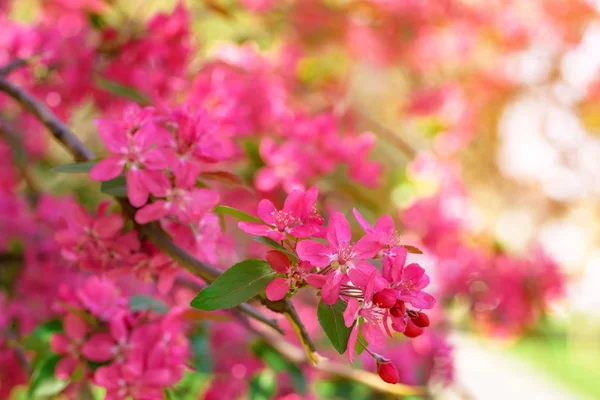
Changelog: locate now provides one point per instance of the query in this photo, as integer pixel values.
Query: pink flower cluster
(376, 302)
(141, 352)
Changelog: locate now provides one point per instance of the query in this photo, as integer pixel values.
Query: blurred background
(487, 120)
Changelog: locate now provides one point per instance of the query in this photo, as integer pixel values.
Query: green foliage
(279, 364)
(43, 380)
(239, 283)
(115, 187)
(121, 90)
(271, 243)
(263, 385)
(75, 168)
(139, 303)
(331, 319)
(235, 213)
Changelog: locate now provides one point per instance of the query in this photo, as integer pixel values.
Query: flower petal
(314, 252)
(278, 261)
(277, 289)
(99, 348)
(107, 169)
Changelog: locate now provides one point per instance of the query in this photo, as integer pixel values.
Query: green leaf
(169, 394)
(140, 303)
(202, 360)
(75, 168)
(271, 243)
(43, 381)
(115, 187)
(121, 90)
(263, 385)
(39, 339)
(235, 213)
(224, 177)
(239, 283)
(331, 319)
(279, 364)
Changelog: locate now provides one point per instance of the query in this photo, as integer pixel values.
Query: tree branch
(16, 64)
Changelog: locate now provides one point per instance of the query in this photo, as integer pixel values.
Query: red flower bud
(412, 330)
(422, 320)
(385, 299)
(399, 309)
(388, 372)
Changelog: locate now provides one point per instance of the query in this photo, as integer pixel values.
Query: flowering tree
(238, 235)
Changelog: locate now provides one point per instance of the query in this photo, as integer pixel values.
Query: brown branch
(156, 235)
(16, 64)
(20, 353)
(296, 356)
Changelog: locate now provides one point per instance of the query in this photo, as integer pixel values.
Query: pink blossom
(278, 288)
(138, 144)
(298, 218)
(344, 257)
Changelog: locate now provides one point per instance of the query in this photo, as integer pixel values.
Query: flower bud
(388, 372)
(399, 309)
(422, 320)
(384, 299)
(412, 330)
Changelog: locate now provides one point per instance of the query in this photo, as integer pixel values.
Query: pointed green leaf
(263, 386)
(236, 285)
(271, 243)
(121, 90)
(75, 168)
(331, 319)
(115, 187)
(43, 381)
(235, 213)
(139, 303)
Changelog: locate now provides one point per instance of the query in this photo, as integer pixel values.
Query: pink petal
(266, 211)
(373, 335)
(155, 182)
(314, 252)
(316, 280)
(107, 169)
(397, 269)
(352, 343)
(304, 231)
(277, 289)
(369, 245)
(255, 228)
(385, 224)
(108, 227)
(166, 279)
(351, 312)
(155, 159)
(75, 326)
(152, 212)
(108, 377)
(99, 348)
(361, 221)
(361, 273)
(310, 199)
(59, 343)
(414, 272)
(113, 135)
(294, 203)
(186, 172)
(331, 290)
(338, 231)
(421, 300)
(65, 367)
(278, 261)
(157, 377)
(136, 191)
(266, 179)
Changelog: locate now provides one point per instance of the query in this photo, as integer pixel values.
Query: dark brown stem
(16, 64)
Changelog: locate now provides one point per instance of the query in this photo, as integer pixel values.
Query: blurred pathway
(489, 374)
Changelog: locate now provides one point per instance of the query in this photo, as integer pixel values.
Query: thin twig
(7, 69)
(20, 353)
